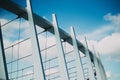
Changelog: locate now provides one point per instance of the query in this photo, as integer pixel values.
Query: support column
(102, 68)
(80, 73)
(61, 56)
(98, 73)
(102, 71)
(90, 67)
(37, 58)
(3, 66)
(97, 69)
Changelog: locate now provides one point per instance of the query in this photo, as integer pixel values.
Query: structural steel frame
(41, 22)
(52, 28)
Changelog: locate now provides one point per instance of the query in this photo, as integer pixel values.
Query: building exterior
(38, 57)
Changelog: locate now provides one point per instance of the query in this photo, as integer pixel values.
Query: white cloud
(108, 74)
(104, 39)
(108, 45)
(97, 34)
(10, 31)
(115, 19)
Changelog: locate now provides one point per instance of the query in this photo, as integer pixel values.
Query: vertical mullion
(61, 55)
(39, 73)
(101, 68)
(3, 65)
(80, 73)
(98, 72)
(89, 62)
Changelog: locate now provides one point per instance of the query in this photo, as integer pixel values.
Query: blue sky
(99, 20)
(82, 13)
(78, 13)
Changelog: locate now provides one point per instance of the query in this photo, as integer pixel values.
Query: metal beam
(37, 58)
(61, 55)
(3, 66)
(80, 73)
